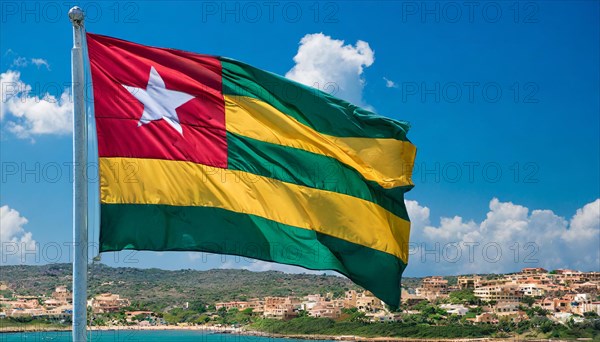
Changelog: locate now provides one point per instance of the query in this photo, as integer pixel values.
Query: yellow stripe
(388, 162)
(178, 183)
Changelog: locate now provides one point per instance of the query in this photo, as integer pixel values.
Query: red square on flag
(157, 103)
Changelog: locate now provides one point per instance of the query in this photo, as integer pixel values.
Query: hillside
(158, 288)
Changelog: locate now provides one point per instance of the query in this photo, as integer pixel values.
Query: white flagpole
(80, 187)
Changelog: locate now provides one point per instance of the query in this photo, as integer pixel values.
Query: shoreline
(242, 331)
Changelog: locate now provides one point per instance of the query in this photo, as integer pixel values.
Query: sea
(140, 336)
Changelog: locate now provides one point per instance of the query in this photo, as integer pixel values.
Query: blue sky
(503, 98)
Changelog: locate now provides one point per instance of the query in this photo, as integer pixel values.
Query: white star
(159, 102)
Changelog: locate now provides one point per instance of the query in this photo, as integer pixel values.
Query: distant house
(533, 270)
(240, 305)
(61, 293)
(512, 316)
(383, 316)
(325, 310)
(587, 287)
(499, 293)
(504, 307)
(486, 317)
(532, 289)
(433, 287)
(350, 298)
(455, 309)
(562, 317)
(366, 302)
(466, 282)
(108, 302)
(281, 307)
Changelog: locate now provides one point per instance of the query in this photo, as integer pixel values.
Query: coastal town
(561, 296)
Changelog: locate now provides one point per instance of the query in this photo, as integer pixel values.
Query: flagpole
(80, 189)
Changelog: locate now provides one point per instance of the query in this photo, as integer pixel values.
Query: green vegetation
(324, 326)
(157, 290)
(464, 297)
(537, 328)
(188, 296)
(528, 300)
(30, 323)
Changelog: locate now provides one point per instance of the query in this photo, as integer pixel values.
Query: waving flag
(204, 153)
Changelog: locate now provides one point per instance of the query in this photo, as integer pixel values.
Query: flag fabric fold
(205, 153)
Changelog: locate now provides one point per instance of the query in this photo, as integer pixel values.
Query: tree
(528, 300)
(358, 316)
(302, 313)
(465, 296)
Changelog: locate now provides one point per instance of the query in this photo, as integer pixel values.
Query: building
(512, 316)
(506, 307)
(533, 270)
(61, 293)
(366, 302)
(350, 298)
(326, 310)
(587, 287)
(486, 317)
(311, 301)
(562, 304)
(383, 316)
(433, 287)
(455, 309)
(281, 307)
(465, 282)
(532, 290)
(499, 293)
(52, 303)
(108, 302)
(241, 305)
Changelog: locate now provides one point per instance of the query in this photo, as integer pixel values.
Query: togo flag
(205, 153)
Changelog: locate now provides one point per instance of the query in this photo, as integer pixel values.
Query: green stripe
(314, 108)
(214, 230)
(314, 170)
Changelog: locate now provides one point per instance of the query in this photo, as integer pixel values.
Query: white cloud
(511, 237)
(29, 115)
(13, 237)
(20, 62)
(329, 65)
(585, 225)
(390, 83)
(10, 85)
(40, 62)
